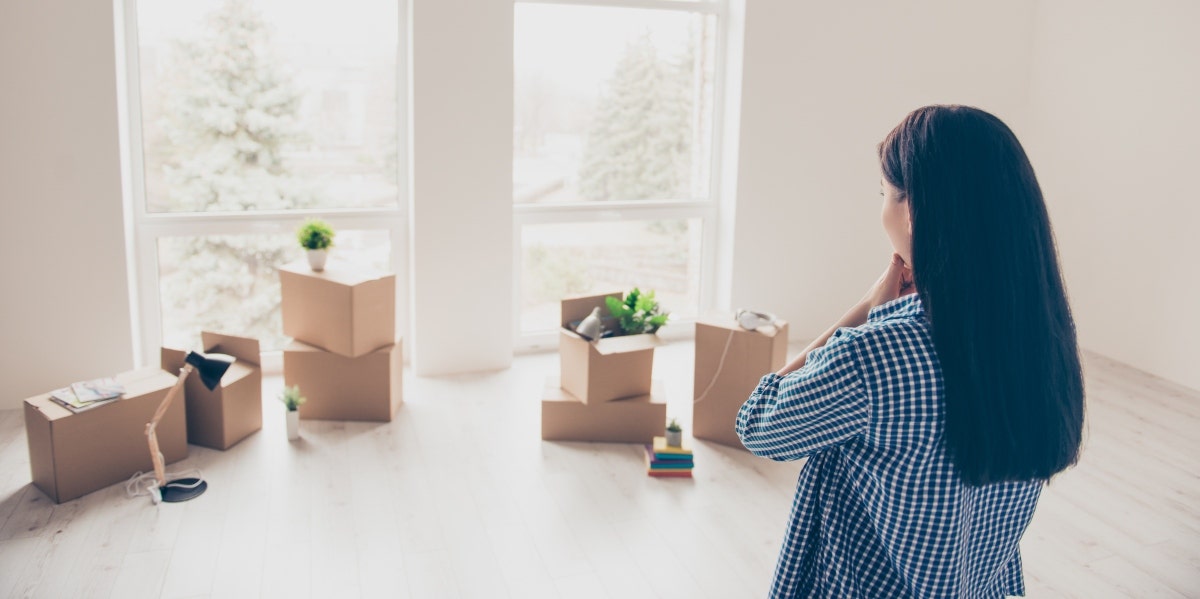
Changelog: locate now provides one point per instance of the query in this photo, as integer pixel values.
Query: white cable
(721, 364)
(146, 483)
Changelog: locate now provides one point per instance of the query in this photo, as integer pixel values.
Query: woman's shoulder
(896, 331)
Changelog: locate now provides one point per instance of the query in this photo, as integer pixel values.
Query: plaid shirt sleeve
(821, 405)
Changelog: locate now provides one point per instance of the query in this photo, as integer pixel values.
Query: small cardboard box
(71, 455)
(607, 369)
(631, 420)
(231, 412)
(750, 355)
(344, 310)
(368, 387)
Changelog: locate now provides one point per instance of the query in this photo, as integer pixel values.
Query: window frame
(709, 210)
(145, 228)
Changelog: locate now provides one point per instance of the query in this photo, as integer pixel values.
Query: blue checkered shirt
(880, 510)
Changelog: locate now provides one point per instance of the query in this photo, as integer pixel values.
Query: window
(615, 166)
(245, 117)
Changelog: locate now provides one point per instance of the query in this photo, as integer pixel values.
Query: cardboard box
(368, 387)
(631, 420)
(342, 309)
(608, 369)
(233, 411)
(71, 455)
(751, 355)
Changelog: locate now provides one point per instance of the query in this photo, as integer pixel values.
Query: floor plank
(458, 497)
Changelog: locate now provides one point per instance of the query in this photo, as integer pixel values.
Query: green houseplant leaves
(638, 313)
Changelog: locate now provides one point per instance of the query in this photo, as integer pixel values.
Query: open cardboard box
(369, 387)
(233, 411)
(751, 355)
(72, 454)
(342, 309)
(632, 420)
(606, 369)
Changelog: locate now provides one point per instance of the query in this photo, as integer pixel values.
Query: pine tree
(230, 111)
(639, 144)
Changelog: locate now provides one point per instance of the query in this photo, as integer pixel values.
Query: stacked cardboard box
(344, 355)
(665, 461)
(72, 454)
(221, 417)
(747, 356)
(605, 392)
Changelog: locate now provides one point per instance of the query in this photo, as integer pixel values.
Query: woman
(934, 411)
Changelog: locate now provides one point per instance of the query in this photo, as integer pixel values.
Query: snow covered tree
(229, 113)
(640, 143)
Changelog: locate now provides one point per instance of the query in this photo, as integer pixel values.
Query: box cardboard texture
(631, 420)
(222, 417)
(71, 455)
(368, 387)
(751, 355)
(341, 309)
(608, 369)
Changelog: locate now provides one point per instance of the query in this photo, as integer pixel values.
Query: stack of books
(86, 395)
(663, 460)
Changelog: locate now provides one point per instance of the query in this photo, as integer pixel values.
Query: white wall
(65, 306)
(1116, 104)
(823, 83)
(462, 185)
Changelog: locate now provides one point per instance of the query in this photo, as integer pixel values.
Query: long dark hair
(986, 269)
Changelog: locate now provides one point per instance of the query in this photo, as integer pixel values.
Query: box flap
(244, 349)
(627, 343)
(237, 371)
(300, 346)
(575, 309)
(136, 382)
(336, 271)
(726, 321)
(47, 407)
(553, 391)
(172, 360)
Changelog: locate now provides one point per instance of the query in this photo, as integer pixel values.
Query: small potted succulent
(292, 400)
(674, 434)
(316, 236)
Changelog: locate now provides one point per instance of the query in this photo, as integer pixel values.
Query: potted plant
(674, 434)
(292, 400)
(638, 313)
(316, 236)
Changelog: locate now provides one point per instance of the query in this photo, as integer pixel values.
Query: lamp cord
(721, 364)
(717, 374)
(144, 483)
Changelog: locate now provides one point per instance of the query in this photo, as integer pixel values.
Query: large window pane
(611, 103)
(268, 104)
(229, 283)
(562, 260)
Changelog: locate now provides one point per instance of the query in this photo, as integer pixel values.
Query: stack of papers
(86, 395)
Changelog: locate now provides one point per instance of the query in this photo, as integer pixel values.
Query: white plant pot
(316, 259)
(675, 438)
(293, 425)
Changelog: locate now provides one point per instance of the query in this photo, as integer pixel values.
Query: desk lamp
(211, 368)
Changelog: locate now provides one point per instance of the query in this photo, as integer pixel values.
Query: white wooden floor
(459, 498)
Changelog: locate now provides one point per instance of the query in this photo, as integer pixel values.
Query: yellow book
(660, 446)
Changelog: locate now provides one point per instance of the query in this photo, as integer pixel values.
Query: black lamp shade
(211, 367)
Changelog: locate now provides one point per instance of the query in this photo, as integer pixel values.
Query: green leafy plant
(291, 398)
(315, 235)
(674, 427)
(638, 313)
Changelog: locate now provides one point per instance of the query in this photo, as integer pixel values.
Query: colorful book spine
(676, 465)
